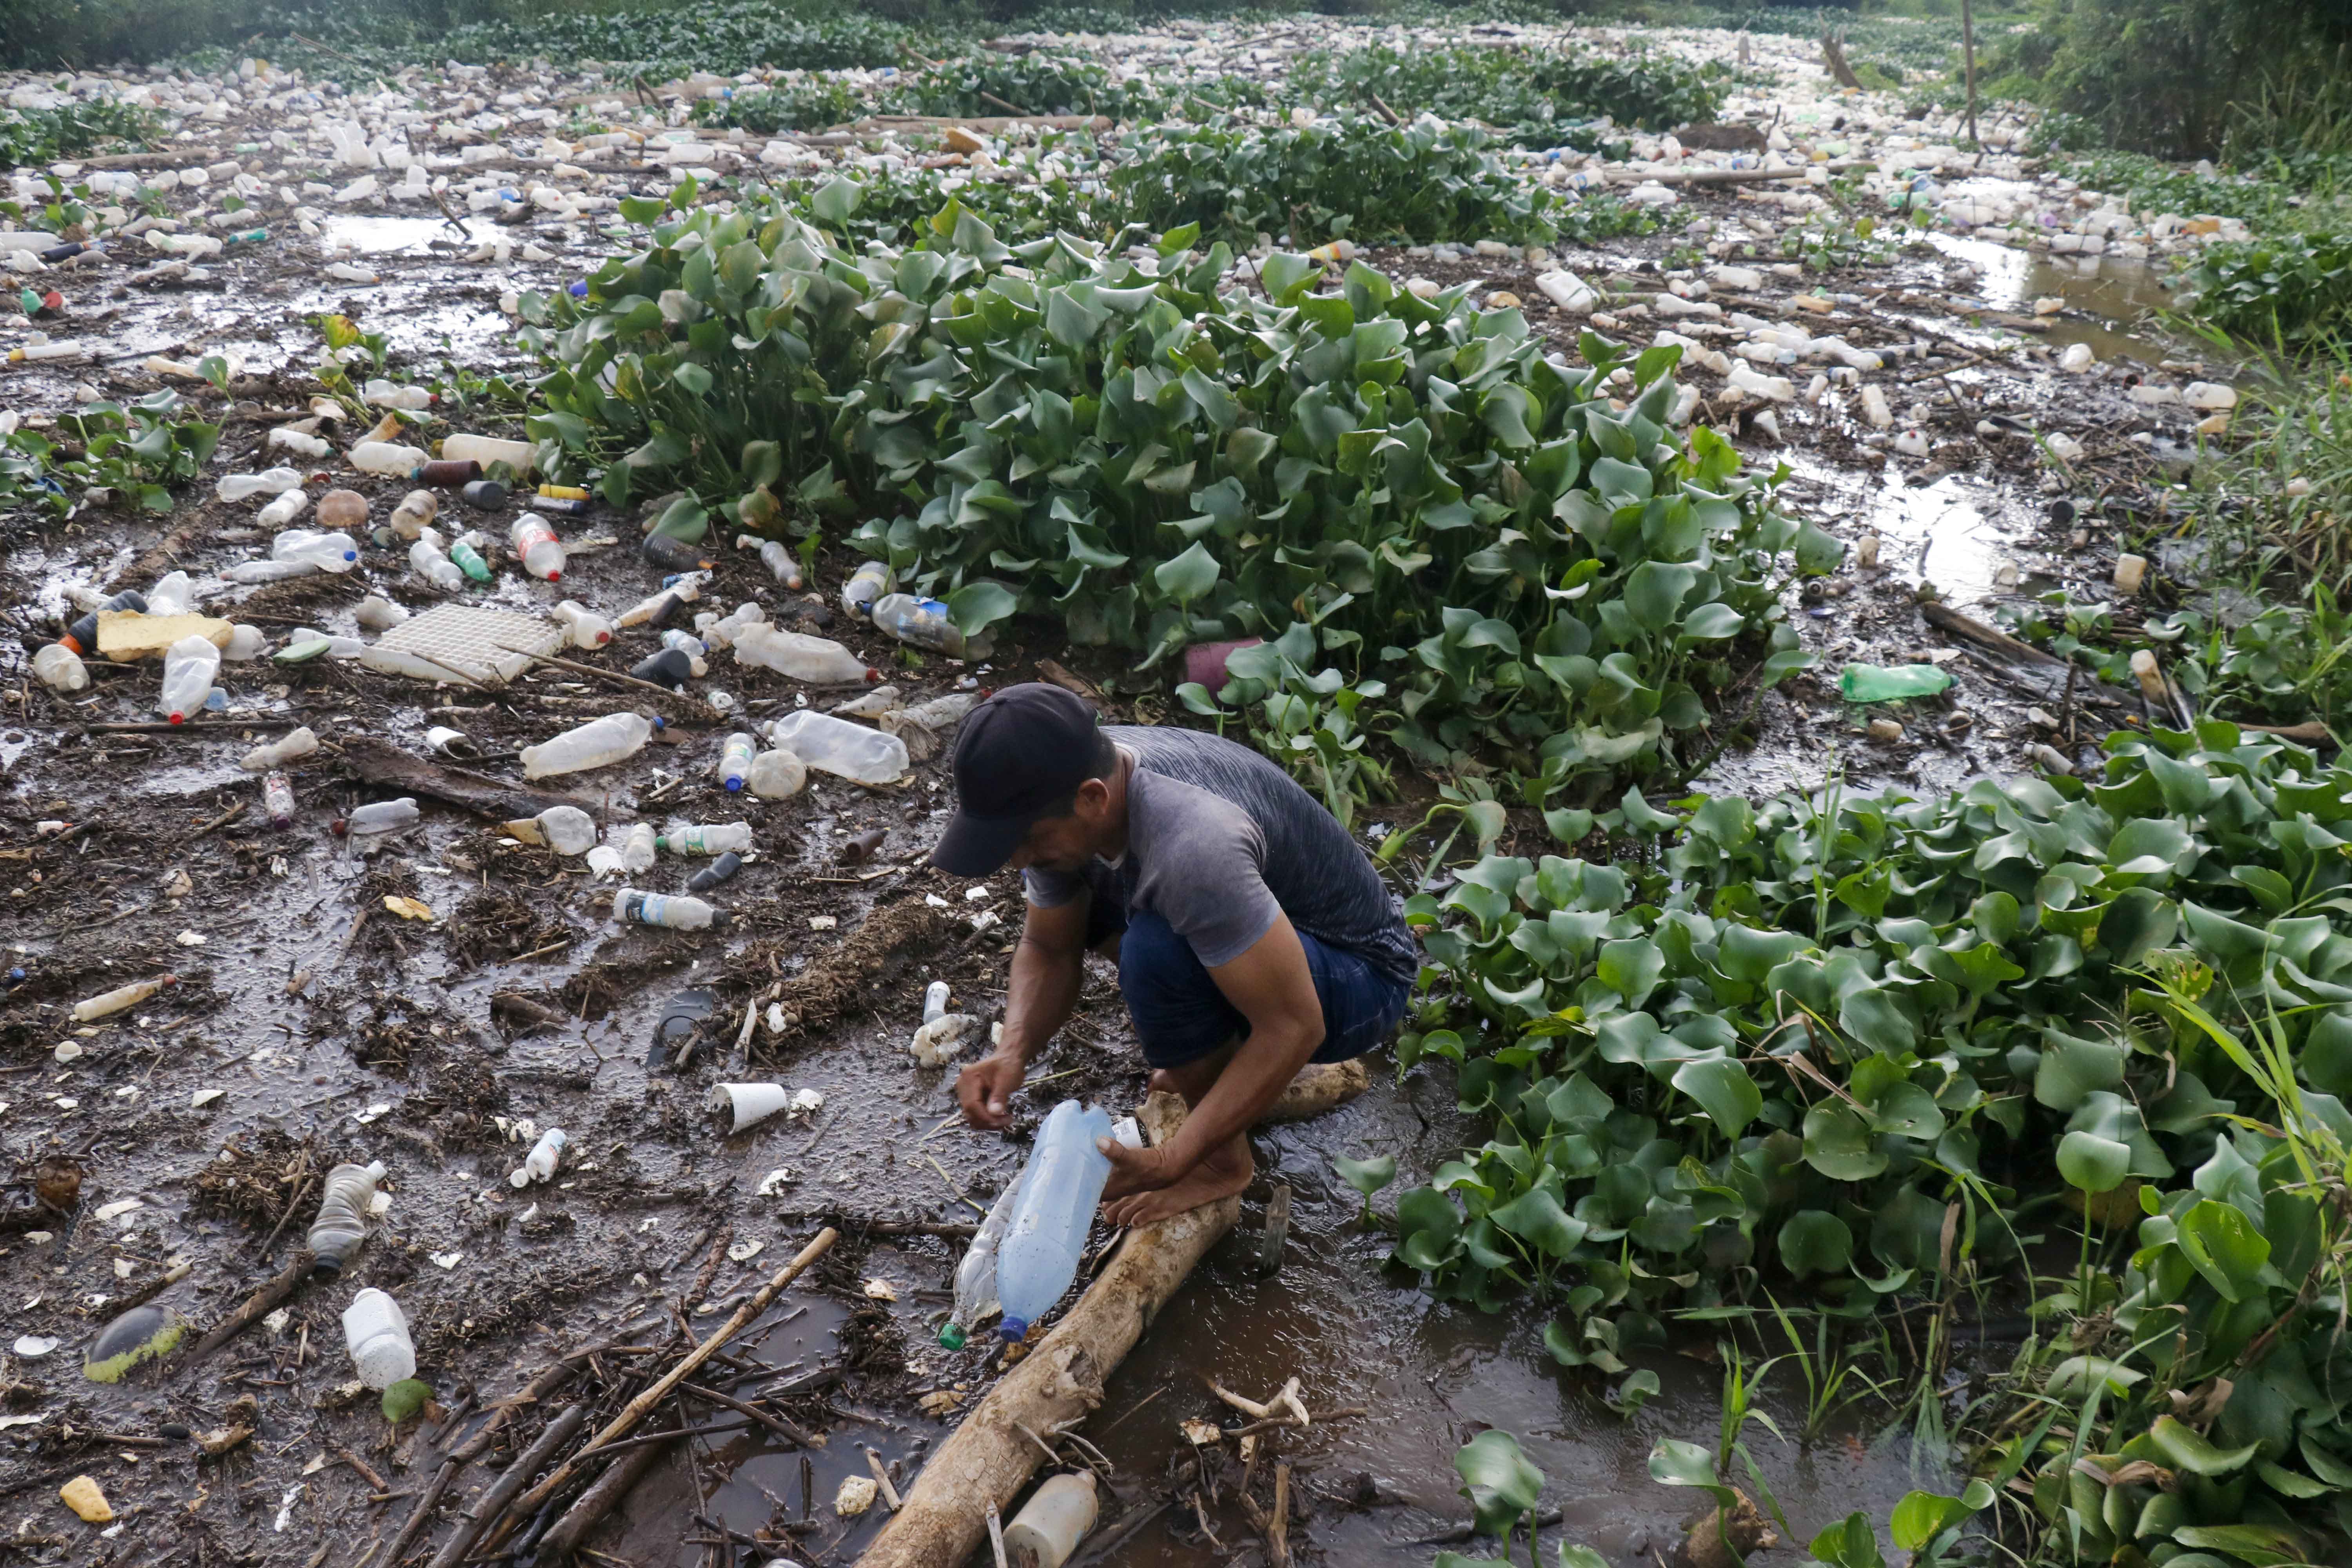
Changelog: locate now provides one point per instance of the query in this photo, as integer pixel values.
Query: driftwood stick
(493, 1503)
(257, 1306)
(636, 1408)
(421, 1517)
(791, 1431)
(588, 1508)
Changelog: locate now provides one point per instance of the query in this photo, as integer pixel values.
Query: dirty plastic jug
(387, 458)
(342, 1222)
(375, 1331)
(838, 746)
(189, 666)
(1047, 1529)
(598, 744)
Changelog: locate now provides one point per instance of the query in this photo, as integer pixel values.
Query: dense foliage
(1542, 96)
(1863, 1043)
(2283, 289)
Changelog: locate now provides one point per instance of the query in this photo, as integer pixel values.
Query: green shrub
(2285, 290)
(985, 83)
(812, 103)
(2184, 78)
(1542, 96)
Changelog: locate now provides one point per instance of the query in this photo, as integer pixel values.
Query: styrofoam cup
(751, 1103)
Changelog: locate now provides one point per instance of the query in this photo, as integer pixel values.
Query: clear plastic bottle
(598, 744)
(270, 482)
(566, 829)
(539, 1164)
(300, 443)
(975, 1277)
(285, 510)
(337, 647)
(342, 1223)
(781, 562)
(466, 552)
(107, 1002)
(382, 393)
(869, 582)
(189, 666)
(278, 801)
(921, 623)
(387, 458)
(935, 1001)
(734, 758)
(654, 909)
(686, 643)
(838, 746)
(776, 775)
(375, 1331)
(1046, 1234)
(713, 840)
(294, 744)
(800, 656)
(61, 671)
(327, 551)
(536, 546)
(380, 817)
(723, 631)
(174, 595)
(640, 848)
(588, 628)
(426, 559)
(414, 513)
(269, 571)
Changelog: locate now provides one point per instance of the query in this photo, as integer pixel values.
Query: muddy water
(2111, 303)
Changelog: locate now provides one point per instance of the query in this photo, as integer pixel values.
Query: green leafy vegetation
(1542, 97)
(812, 102)
(2287, 291)
(1875, 1046)
(72, 129)
(109, 454)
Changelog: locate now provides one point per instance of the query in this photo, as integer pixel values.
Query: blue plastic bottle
(1042, 1246)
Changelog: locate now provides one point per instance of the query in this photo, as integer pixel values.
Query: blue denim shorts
(1181, 1015)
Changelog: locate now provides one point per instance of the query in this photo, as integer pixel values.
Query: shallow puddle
(2112, 304)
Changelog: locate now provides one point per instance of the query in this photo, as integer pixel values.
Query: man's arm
(1048, 967)
(1274, 990)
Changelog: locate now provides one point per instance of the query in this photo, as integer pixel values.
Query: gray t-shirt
(1219, 840)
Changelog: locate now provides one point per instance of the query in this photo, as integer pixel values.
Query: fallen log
(990, 1456)
(620, 1478)
(381, 764)
(493, 1502)
(1727, 177)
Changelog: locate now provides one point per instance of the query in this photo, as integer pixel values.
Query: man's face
(1057, 844)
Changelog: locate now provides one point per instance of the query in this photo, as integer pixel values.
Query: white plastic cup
(1047, 1531)
(751, 1103)
(376, 1332)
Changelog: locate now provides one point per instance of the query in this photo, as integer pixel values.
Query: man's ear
(1094, 796)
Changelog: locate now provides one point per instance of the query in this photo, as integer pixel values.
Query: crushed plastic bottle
(269, 482)
(1046, 1234)
(869, 582)
(327, 551)
(940, 1040)
(246, 644)
(539, 1164)
(388, 459)
(975, 1276)
(1881, 683)
(375, 1331)
(566, 829)
(800, 656)
(588, 628)
(924, 623)
(838, 746)
(777, 774)
(382, 393)
(175, 594)
(735, 760)
(342, 1222)
(278, 801)
(536, 546)
(414, 513)
(715, 838)
(721, 631)
(112, 1001)
(676, 914)
(294, 744)
(380, 817)
(189, 667)
(598, 744)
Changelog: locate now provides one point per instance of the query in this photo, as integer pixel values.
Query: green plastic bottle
(1883, 683)
(470, 561)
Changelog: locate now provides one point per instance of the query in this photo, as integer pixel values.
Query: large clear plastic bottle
(566, 829)
(427, 561)
(598, 744)
(697, 663)
(838, 746)
(295, 744)
(269, 571)
(924, 623)
(189, 666)
(283, 510)
(654, 909)
(536, 546)
(975, 1278)
(175, 594)
(379, 817)
(271, 482)
(375, 1331)
(715, 838)
(1046, 1235)
(868, 584)
(776, 775)
(342, 1223)
(800, 656)
(640, 848)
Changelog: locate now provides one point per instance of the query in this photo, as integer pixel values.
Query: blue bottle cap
(1012, 1330)
(734, 786)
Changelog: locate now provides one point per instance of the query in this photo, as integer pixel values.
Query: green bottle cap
(31, 301)
(952, 1336)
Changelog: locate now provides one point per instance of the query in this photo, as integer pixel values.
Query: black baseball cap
(1020, 755)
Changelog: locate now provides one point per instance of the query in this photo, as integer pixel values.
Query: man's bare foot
(1221, 1175)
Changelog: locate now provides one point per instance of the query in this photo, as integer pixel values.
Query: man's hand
(1135, 1170)
(986, 1089)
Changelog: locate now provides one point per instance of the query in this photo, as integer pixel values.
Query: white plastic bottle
(189, 666)
(109, 1002)
(734, 759)
(342, 1223)
(588, 628)
(295, 744)
(838, 746)
(387, 458)
(640, 848)
(269, 482)
(60, 669)
(566, 829)
(869, 582)
(246, 644)
(337, 647)
(268, 570)
(716, 839)
(1046, 1235)
(382, 393)
(694, 649)
(284, 509)
(685, 591)
(975, 1277)
(935, 1001)
(654, 909)
(800, 656)
(598, 744)
(427, 561)
(536, 546)
(328, 551)
(517, 456)
(776, 775)
(175, 594)
(375, 1331)
(297, 442)
(380, 817)
(724, 631)
(1046, 1531)
(377, 614)
(539, 1164)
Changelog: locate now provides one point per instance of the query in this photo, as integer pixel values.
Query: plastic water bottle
(380, 817)
(694, 649)
(375, 1331)
(107, 1002)
(588, 628)
(414, 513)
(838, 746)
(685, 591)
(598, 744)
(800, 656)
(342, 1223)
(270, 482)
(189, 666)
(174, 595)
(935, 1001)
(297, 443)
(734, 759)
(566, 829)
(295, 744)
(654, 909)
(721, 631)
(1046, 1234)
(269, 571)
(713, 840)
(536, 546)
(278, 801)
(539, 1166)
(639, 848)
(284, 509)
(517, 456)
(328, 551)
(382, 393)
(337, 647)
(922, 623)
(869, 582)
(778, 775)
(975, 1279)
(61, 671)
(387, 458)
(779, 562)
(426, 559)
(465, 554)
